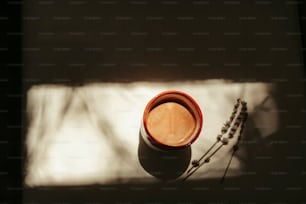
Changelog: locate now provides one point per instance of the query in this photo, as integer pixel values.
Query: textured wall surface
(71, 48)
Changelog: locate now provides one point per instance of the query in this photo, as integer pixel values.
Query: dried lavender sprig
(244, 115)
(202, 163)
(197, 163)
(224, 129)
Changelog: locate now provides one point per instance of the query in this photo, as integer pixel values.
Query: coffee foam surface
(171, 123)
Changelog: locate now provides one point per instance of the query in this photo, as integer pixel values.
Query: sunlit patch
(90, 134)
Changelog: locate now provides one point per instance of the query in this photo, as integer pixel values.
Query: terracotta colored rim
(149, 107)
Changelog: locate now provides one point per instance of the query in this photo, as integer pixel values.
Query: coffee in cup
(171, 120)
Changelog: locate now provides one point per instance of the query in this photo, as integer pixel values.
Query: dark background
(219, 52)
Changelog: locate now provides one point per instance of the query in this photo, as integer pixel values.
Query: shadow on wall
(272, 142)
(61, 142)
(164, 165)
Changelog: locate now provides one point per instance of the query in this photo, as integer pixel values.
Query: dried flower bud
(230, 135)
(195, 163)
(224, 141)
(224, 130)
